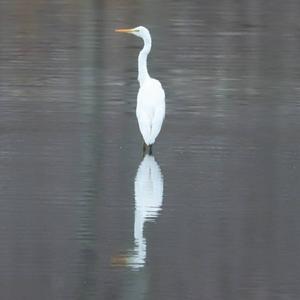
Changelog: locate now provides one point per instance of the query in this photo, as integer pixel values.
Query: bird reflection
(148, 189)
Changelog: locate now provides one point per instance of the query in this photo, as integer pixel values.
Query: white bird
(150, 109)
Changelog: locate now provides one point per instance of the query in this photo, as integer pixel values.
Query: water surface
(213, 214)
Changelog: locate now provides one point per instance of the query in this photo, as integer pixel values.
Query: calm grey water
(213, 215)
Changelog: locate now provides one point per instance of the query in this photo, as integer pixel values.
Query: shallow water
(213, 215)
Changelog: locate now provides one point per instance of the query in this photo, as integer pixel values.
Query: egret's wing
(157, 121)
(158, 113)
(144, 125)
(150, 109)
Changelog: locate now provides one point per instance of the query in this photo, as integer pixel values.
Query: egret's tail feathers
(149, 141)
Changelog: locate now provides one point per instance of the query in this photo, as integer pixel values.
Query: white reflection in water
(148, 189)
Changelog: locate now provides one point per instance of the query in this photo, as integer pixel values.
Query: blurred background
(76, 221)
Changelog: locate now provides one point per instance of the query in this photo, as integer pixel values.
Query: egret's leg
(144, 149)
(150, 149)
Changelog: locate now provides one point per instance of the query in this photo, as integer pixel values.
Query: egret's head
(139, 31)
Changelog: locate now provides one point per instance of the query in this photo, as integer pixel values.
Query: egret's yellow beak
(130, 30)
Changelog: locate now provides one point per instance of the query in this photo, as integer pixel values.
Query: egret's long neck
(143, 71)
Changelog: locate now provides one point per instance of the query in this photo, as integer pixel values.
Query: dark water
(213, 215)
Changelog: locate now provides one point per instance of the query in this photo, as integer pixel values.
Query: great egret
(150, 109)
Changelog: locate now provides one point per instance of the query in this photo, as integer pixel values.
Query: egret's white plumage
(150, 109)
